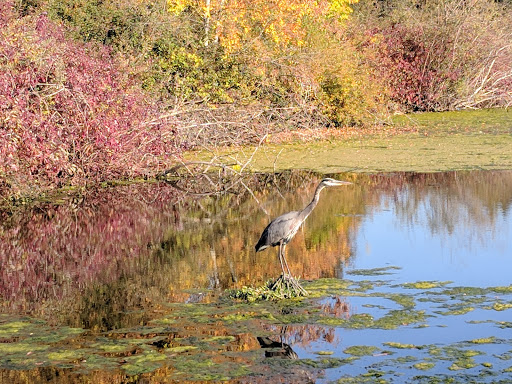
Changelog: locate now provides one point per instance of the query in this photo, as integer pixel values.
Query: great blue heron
(282, 229)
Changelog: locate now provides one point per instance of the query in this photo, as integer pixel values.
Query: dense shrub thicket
(352, 66)
(440, 54)
(85, 85)
(69, 113)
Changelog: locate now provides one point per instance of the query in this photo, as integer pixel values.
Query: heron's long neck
(309, 208)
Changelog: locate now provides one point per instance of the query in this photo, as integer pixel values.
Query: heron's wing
(284, 227)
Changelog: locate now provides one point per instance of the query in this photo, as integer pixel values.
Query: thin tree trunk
(207, 22)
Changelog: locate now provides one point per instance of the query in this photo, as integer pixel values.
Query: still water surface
(132, 280)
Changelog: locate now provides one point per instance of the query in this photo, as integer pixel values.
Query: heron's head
(328, 182)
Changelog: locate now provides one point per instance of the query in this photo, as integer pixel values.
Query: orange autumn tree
(234, 24)
(288, 53)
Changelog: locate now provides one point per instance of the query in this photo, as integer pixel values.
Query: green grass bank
(427, 142)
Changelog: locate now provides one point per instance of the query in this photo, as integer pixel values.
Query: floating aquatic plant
(361, 350)
(424, 366)
(394, 344)
(484, 340)
(426, 284)
(374, 271)
(324, 353)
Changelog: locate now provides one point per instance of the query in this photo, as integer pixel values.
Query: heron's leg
(281, 257)
(295, 285)
(285, 262)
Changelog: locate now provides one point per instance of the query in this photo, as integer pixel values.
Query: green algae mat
(365, 328)
(430, 142)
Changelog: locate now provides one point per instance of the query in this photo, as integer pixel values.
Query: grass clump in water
(282, 288)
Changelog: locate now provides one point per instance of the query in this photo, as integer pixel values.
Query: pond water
(408, 275)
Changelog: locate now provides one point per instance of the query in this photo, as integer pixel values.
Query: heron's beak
(340, 182)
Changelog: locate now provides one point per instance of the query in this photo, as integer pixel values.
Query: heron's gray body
(280, 230)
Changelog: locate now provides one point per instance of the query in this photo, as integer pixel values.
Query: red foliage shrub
(447, 54)
(6, 12)
(69, 112)
(411, 62)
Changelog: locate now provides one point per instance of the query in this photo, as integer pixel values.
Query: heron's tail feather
(260, 247)
(264, 241)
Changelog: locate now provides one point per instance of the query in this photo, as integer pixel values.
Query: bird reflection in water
(277, 349)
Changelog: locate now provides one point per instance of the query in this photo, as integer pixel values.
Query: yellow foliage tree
(236, 23)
